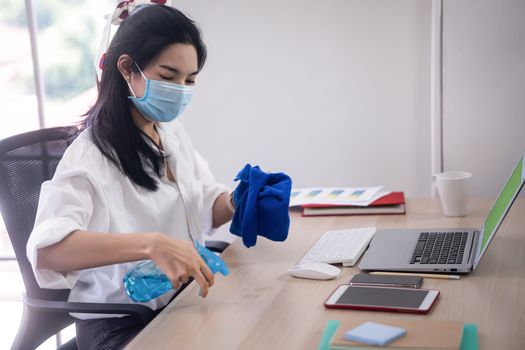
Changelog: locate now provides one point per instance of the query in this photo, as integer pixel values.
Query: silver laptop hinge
(474, 248)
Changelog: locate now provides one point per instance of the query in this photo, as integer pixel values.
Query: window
(68, 36)
(18, 104)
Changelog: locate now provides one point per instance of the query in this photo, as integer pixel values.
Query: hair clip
(102, 61)
(121, 12)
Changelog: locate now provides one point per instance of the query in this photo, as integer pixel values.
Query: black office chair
(26, 161)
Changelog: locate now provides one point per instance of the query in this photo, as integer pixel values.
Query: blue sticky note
(374, 333)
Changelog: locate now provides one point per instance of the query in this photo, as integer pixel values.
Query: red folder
(393, 203)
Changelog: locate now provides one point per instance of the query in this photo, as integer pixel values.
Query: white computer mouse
(315, 271)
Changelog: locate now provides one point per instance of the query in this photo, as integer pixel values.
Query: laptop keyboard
(439, 248)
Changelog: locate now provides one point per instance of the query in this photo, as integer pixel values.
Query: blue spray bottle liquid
(145, 281)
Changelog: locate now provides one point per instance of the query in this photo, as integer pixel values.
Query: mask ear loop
(129, 85)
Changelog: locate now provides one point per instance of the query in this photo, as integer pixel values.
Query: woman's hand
(179, 260)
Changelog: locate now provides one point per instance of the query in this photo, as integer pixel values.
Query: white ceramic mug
(452, 188)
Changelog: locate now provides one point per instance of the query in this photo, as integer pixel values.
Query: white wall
(484, 89)
(334, 93)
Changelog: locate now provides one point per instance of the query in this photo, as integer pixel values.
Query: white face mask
(162, 101)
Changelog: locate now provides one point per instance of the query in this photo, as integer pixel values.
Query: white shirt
(89, 193)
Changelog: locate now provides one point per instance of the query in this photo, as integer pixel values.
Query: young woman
(131, 187)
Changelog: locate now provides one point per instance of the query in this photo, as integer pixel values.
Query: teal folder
(469, 341)
(329, 330)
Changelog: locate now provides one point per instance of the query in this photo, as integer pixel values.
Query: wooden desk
(260, 306)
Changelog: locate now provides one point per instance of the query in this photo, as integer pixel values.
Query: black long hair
(147, 31)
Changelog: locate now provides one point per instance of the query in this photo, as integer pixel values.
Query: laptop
(442, 250)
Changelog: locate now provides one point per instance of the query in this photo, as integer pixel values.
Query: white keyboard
(340, 246)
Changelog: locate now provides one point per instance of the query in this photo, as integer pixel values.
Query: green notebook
(469, 340)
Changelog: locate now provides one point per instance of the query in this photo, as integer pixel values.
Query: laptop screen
(502, 205)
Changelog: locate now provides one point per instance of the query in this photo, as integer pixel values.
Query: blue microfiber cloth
(261, 201)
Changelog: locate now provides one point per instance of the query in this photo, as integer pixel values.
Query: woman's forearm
(178, 259)
(221, 213)
(83, 250)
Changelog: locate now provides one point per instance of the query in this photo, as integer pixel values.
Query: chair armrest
(216, 246)
(144, 313)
